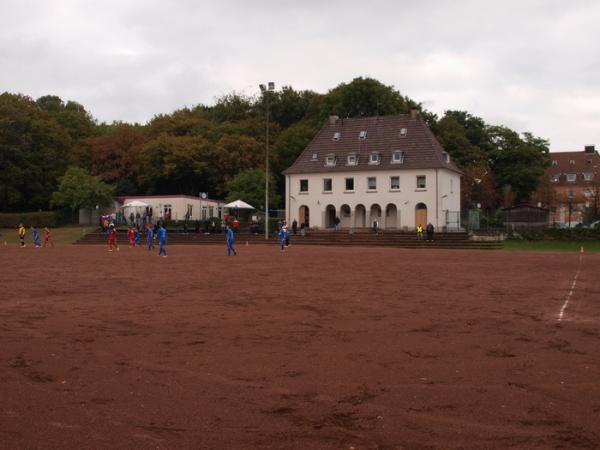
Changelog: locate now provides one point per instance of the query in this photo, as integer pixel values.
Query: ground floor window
(327, 185)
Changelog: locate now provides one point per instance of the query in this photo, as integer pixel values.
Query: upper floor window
(395, 183)
(371, 183)
(421, 181)
(397, 157)
(362, 134)
(352, 160)
(337, 136)
(554, 162)
(330, 160)
(374, 158)
(349, 184)
(403, 132)
(555, 178)
(327, 185)
(303, 185)
(571, 177)
(446, 156)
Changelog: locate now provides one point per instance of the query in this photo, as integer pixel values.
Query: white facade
(175, 207)
(394, 208)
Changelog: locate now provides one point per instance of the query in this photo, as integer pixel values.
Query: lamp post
(266, 92)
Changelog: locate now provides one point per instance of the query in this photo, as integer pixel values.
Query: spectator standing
(429, 231)
(420, 232)
(294, 226)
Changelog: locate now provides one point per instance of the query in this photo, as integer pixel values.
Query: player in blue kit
(162, 241)
(150, 238)
(230, 238)
(36, 237)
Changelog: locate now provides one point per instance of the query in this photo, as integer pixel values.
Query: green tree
(72, 116)
(175, 165)
(78, 189)
(364, 97)
(517, 163)
(34, 151)
(249, 186)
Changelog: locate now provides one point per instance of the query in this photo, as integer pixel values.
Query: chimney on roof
(590, 149)
(333, 119)
(414, 113)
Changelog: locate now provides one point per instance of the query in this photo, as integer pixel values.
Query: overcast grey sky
(533, 65)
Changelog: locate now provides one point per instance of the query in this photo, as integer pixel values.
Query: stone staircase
(388, 238)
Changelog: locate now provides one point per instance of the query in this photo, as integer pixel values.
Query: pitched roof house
(389, 169)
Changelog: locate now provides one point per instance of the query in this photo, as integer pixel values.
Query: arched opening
(359, 216)
(345, 216)
(421, 215)
(329, 216)
(304, 216)
(375, 215)
(391, 216)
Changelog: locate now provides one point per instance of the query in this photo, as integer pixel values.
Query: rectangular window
(327, 185)
(571, 177)
(374, 158)
(337, 135)
(398, 157)
(555, 178)
(446, 157)
(351, 160)
(314, 156)
(452, 186)
(363, 134)
(349, 184)
(403, 132)
(395, 183)
(588, 176)
(330, 160)
(303, 185)
(371, 183)
(421, 182)
(571, 194)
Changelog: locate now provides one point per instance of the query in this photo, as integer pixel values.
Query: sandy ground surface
(322, 348)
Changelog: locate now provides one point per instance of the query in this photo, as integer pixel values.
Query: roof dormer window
(330, 160)
(363, 134)
(588, 176)
(314, 156)
(554, 162)
(397, 157)
(403, 132)
(572, 162)
(337, 136)
(446, 156)
(352, 160)
(374, 158)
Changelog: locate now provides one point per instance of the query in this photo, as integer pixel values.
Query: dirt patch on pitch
(313, 348)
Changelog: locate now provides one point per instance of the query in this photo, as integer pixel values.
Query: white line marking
(566, 303)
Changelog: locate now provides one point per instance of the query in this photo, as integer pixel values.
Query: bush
(50, 219)
(559, 234)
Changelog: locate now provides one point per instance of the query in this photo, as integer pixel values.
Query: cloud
(530, 65)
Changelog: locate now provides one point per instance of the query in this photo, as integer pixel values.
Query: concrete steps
(340, 238)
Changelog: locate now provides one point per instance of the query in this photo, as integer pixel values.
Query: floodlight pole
(266, 91)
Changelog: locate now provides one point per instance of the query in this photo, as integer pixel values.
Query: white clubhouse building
(389, 168)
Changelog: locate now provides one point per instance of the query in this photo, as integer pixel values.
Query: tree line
(48, 146)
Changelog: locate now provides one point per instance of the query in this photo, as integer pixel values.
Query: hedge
(39, 219)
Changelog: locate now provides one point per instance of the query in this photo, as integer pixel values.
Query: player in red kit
(112, 238)
(131, 235)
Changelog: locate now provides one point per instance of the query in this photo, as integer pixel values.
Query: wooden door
(421, 217)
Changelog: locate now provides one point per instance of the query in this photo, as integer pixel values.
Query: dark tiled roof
(582, 163)
(420, 147)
